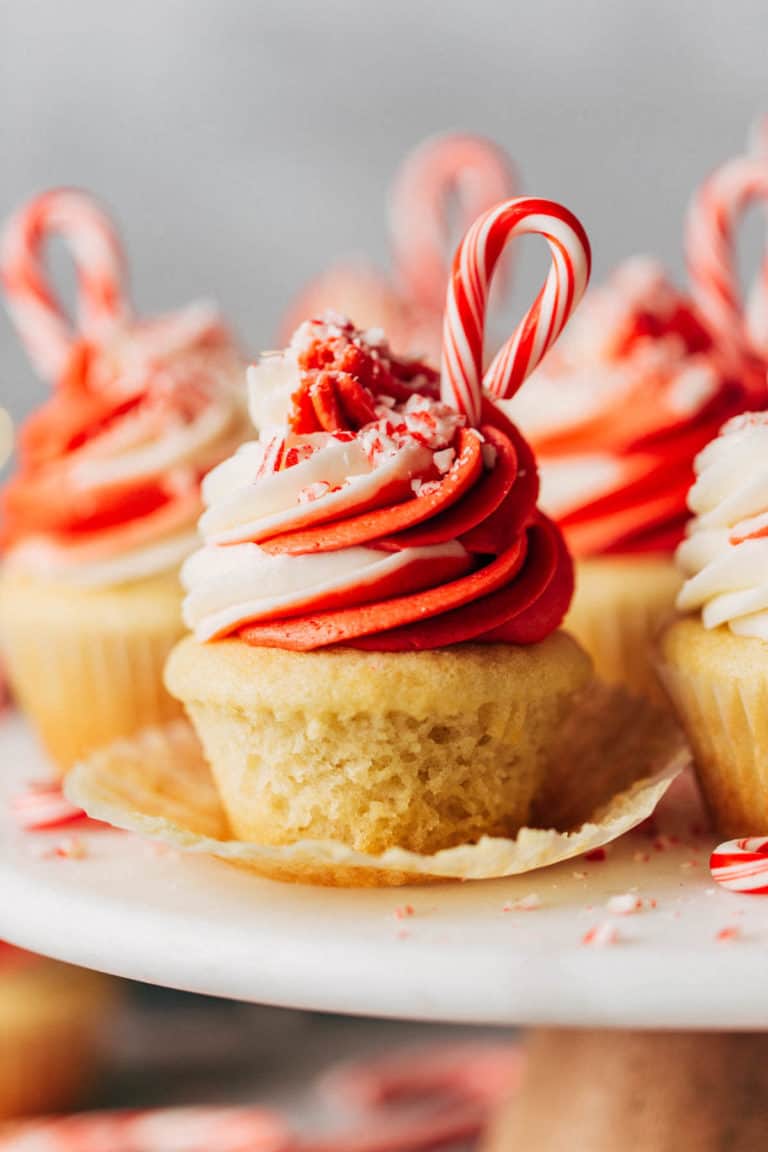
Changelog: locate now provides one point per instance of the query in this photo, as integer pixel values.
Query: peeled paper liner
(614, 759)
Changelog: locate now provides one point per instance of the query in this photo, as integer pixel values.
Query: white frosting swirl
(725, 557)
(231, 580)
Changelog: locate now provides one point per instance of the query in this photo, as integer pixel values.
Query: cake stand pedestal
(682, 973)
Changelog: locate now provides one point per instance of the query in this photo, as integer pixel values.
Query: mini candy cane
(742, 865)
(713, 216)
(467, 299)
(44, 328)
(469, 170)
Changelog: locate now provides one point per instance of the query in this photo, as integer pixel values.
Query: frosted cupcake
(50, 1017)
(375, 656)
(102, 510)
(454, 176)
(616, 415)
(714, 659)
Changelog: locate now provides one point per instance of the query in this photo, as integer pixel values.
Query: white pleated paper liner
(616, 757)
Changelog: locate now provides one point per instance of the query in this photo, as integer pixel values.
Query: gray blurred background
(242, 146)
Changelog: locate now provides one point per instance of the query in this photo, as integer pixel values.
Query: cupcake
(713, 659)
(453, 175)
(101, 510)
(616, 415)
(50, 1017)
(375, 655)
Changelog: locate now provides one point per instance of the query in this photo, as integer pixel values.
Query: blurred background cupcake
(439, 189)
(714, 658)
(102, 506)
(52, 1022)
(617, 413)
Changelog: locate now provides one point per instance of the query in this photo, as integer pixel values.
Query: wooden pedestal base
(639, 1092)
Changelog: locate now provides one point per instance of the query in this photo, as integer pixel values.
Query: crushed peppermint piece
(404, 911)
(601, 936)
(729, 933)
(624, 904)
(641, 857)
(579, 875)
(596, 856)
(444, 460)
(71, 848)
(527, 903)
(313, 492)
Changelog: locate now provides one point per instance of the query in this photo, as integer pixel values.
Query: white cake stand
(693, 957)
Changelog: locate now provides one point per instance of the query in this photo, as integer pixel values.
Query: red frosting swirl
(516, 578)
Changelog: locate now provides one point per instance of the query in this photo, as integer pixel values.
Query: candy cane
(43, 326)
(470, 171)
(713, 217)
(742, 865)
(467, 298)
(43, 806)
(215, 1129)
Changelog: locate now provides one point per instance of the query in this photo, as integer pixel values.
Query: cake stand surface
(693, 957)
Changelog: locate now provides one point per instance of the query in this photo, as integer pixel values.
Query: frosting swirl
(108, 484)
(725, 555)
(369, 514)
(618, 411)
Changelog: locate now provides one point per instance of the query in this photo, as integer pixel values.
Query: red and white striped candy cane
(46, 331)
(710, 242)
(467, 173)
(214, 1129)
(467, 299)
(43, 806)
(742, 865)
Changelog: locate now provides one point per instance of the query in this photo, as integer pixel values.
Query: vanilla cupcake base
(415, 750)
(612, 760)
(618, 606)
(718, 684)
(50, 1021)
(86, 665)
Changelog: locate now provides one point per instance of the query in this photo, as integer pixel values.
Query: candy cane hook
(470, 170)
(710, 242)
(467, 298)
(40, 320)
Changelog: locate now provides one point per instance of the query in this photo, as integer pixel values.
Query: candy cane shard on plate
(42, 806)
(742, 865)
(710, 242)
(102, 302)
(467, 300)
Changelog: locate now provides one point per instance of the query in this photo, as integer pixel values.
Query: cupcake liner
(615, 759)
(85, 680)
(726, 719)
(616, 612)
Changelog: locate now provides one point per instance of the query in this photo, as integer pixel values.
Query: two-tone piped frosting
(618, 411)
(725, 554)
(369, 513)
(107, 488)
